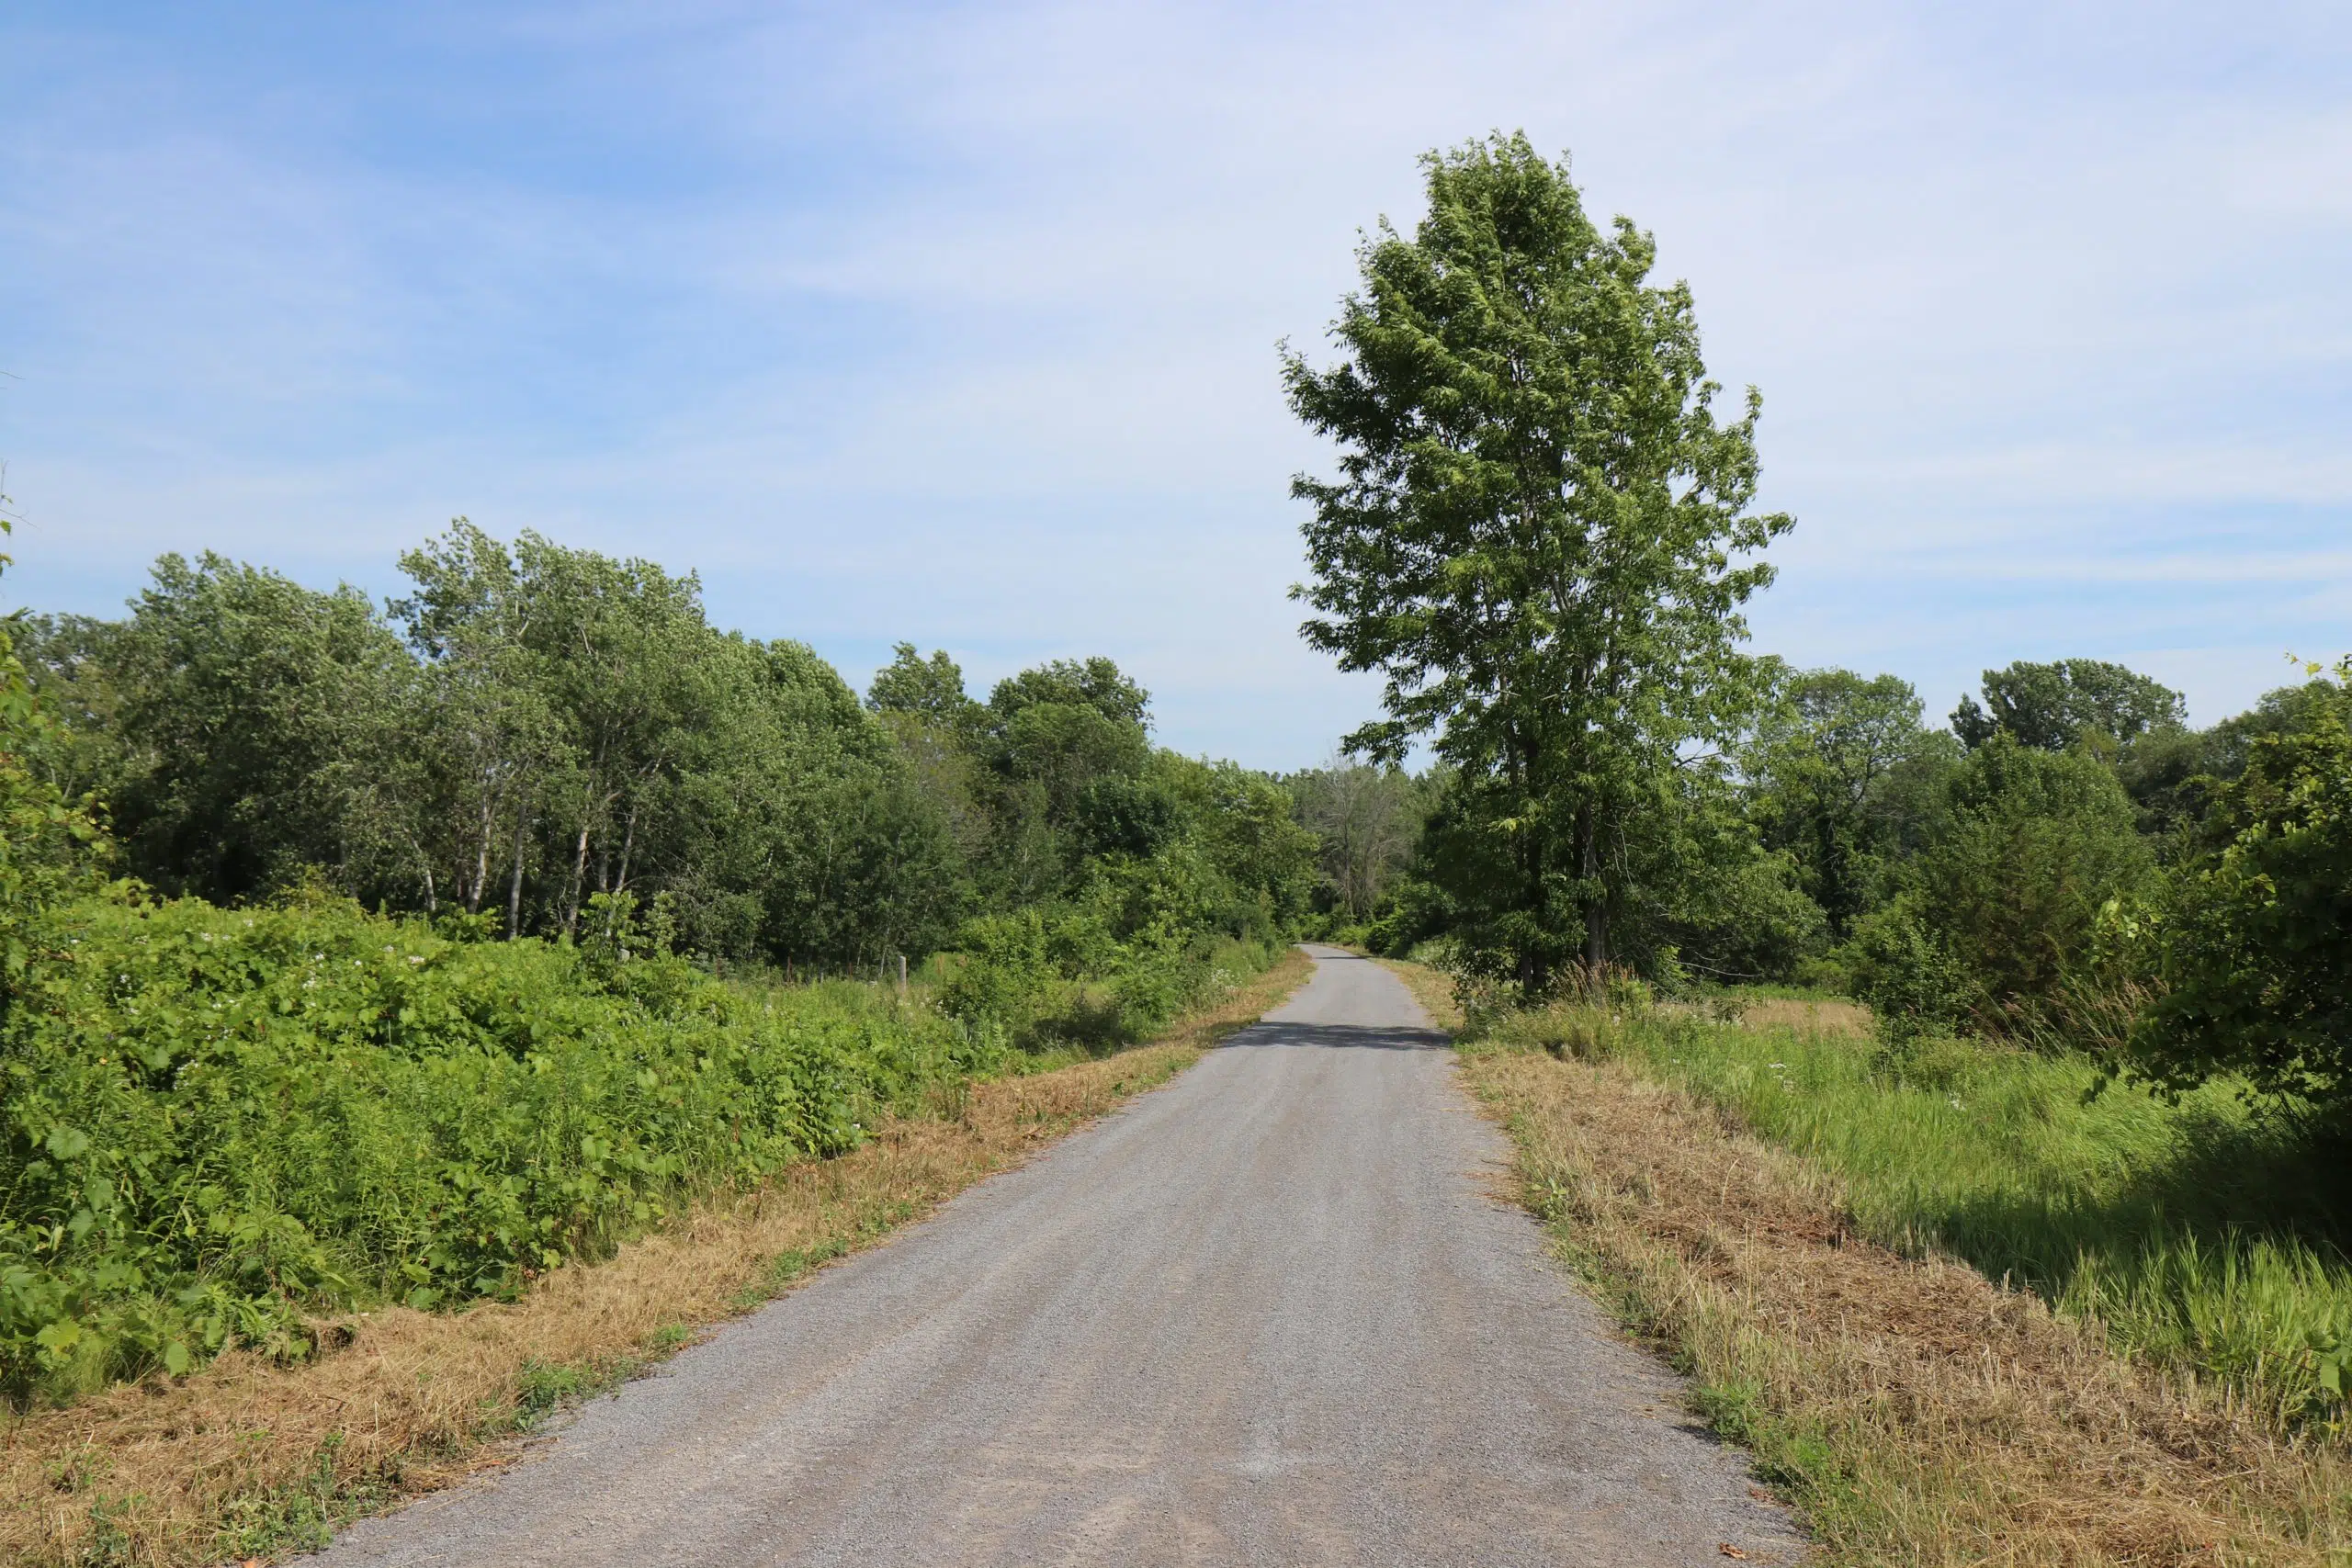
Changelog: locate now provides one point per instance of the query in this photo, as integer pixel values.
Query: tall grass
(2205, 1235)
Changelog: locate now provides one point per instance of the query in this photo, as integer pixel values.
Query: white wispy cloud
(956, 321)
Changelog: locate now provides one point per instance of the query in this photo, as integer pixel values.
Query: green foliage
(2053, 707)
(250, 710)
(2199, 1232)
(929, 690)
(49, 846)
(1531, 537)
(2254, 954)
(1823, 772)
(1897, 967)
(2011, 880)
(534, 727)
(219, 1120)
(1366, 820)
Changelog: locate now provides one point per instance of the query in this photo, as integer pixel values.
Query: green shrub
(1897, 967)
(2256, 952)
(213, 1122)
(2014, 874)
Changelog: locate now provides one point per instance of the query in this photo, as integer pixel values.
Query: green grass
(2205, 1236)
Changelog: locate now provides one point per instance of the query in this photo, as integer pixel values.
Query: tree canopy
(1535, 535)
(2053, 706)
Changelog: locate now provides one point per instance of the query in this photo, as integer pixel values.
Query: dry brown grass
(1919, 1413)
(238, 1457)
(1840, 1020)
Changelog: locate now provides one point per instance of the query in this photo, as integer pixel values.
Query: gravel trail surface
(1270, 1315)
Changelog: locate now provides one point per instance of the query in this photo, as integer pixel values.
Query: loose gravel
(1270, 1315)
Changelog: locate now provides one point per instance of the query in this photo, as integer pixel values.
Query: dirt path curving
(1269, 1314)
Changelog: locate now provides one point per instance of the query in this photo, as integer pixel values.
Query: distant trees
(1533, 535)
(1825, 771)
(532, 726)
(1367, 820)
(2054, 706)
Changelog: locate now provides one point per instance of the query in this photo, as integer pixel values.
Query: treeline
(2066, 864)
(532, 726)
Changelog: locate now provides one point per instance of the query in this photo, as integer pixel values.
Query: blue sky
(957, 323)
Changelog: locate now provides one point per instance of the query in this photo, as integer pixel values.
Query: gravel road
(1268, 1315)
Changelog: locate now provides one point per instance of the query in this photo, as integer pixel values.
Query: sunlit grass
(2205, 1234)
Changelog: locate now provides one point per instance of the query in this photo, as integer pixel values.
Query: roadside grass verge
(1917, 1412)
(2202, 1235)
(250, 1459)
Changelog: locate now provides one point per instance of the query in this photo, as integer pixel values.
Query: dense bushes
(2253, 954)
(1064, 981)
(219, 1120)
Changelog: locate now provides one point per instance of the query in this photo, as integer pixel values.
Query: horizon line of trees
(533, 733)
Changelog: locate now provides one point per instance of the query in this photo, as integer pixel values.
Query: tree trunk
(1596, 903)
(579, 879)
(481, 856)
(514, 886)
(628, 842)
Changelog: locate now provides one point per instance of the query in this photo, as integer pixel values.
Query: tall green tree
(2031, 845)
(1535, 535)
(1068, 744)
(929, 690)
(1818, 769)
(493, 736)
(242, 697)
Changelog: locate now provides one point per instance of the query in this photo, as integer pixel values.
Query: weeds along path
(1269, 1314)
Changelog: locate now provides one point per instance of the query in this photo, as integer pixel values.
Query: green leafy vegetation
(2104, 954)
(467, 936)
(2203, 1235)
(222, 1121)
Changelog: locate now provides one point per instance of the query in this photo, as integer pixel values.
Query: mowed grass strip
(1917, 1412)
(249, 1459)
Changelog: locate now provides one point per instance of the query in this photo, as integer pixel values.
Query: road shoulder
(1913, 1411)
